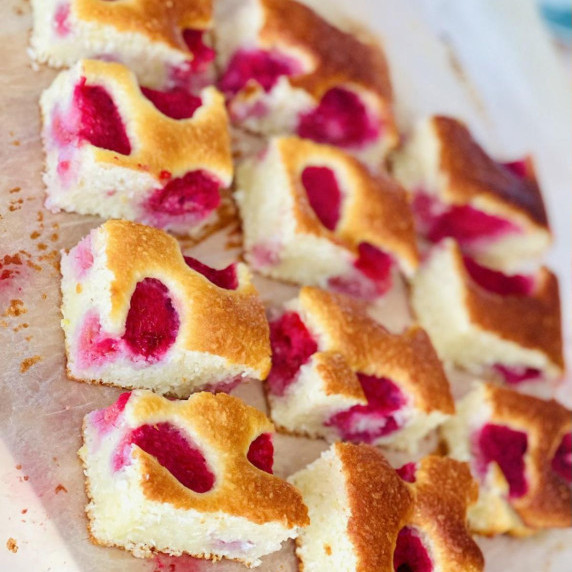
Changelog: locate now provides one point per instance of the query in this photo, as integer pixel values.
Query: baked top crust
(337, 376)
(375, 208)
(443, 490)
(470, 175)
(532, 322)
(408, 359)
(224, 428)
(548, 501)
(380, 503)
(158, 21)
(160, 143)
(335, 57)
(228, 323)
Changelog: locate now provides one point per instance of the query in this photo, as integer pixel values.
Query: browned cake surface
(338, 58)
(375, 208)
(471, 173)
(159, 21)
(380, 503)
(337, 376)
(548, 501)
(160, 143)
(532, 322)
(443, 490)
(225, 427)
(408, 359)
(229, 323)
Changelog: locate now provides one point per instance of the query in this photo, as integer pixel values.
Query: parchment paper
(42, 497)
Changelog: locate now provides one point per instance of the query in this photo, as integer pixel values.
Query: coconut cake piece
(119, 150)
(191, 477)
(338, 374)
(308, 78)
(313, 215)
(494, 210)
(437, 536)
(167, 44)
(137, 314)
(520, 451)
(489, 322)
(357, 506)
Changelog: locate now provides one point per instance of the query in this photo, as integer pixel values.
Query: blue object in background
(558, 15)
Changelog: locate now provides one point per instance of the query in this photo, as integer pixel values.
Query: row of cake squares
(196, 477)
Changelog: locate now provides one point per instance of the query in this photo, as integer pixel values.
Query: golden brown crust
(471, 174)
(443, 489)
(375, 209)
(228, 323)
(224, 427)
(380, 504)
(532, 322)
(161, 22)
(337, 376)
(160, 143)
(408, 359)
(548, 501)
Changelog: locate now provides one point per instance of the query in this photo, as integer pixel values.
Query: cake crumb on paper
(12, 545)
(60, 489)
(28, 363)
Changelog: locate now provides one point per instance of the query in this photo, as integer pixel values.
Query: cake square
(137, 314)
(519, 448)
(309, 77)
(192, 477)
(328, 221)
(119, 150)
(357, 506)
(338, 374)
(486, 321)
(495, 211)
(166, 44)
(443, 490)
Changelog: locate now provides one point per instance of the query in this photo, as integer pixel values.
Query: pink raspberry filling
(82, 256)
(366, 423)
(196, 194)
(506, 447)
(226, 278)
(261, 452)
(410, 555)
(100, 122)
(175, 103)
(94, 346)
(292, 346)
(106, 419)
(514, 375)
(324, 194)
(263, 67)
(373, 277)
(152, 322)
(173, 450)
(61, 20)
(341, 119)
(518, 168)
(407, 472)
(562, 461)
(203, 55)
(497, 282)
(464, 223)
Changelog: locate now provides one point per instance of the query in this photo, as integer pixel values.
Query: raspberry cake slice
(307, 77)
(495, 211)
(136, 314)
(520, 451)
(357, 506)
(190, 477)
(328, 221)
(166, 44)
(119, 150)
(437, 538)
(338, 374)
(488, 322)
